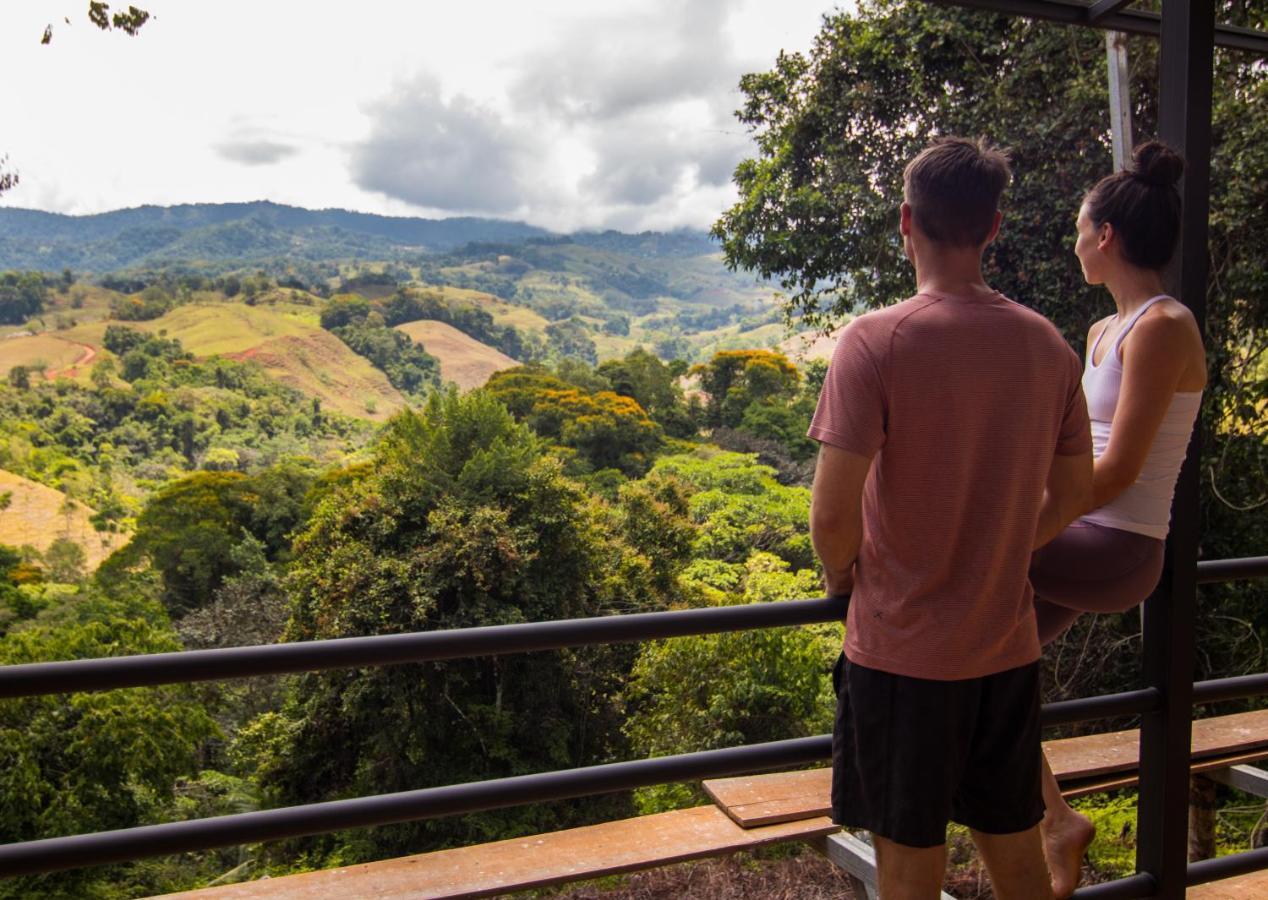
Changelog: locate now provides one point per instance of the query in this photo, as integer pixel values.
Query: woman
(1143, 378)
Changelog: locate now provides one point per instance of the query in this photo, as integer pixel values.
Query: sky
(568, 114)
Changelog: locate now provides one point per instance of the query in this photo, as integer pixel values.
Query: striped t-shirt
(964, 402)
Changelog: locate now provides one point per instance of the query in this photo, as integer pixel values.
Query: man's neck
(950, 270)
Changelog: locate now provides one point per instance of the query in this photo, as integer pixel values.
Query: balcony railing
(74, 851)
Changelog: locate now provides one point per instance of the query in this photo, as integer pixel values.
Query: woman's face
(1086, 248)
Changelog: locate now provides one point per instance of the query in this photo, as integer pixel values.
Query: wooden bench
(1244, 887)
(486, 870)
(1083, 765)
(750, 812)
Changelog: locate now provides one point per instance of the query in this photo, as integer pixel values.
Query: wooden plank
(1118, 751)
(1088, 763)
(1128, 779)
(486, 870)
(1244, 887)
(756, 800)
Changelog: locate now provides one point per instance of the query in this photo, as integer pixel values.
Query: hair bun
(1157, 164)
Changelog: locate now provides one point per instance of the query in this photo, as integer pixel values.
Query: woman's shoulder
(1168, 337)
(1170, 320)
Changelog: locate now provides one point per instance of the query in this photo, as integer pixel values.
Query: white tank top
(1145, 507)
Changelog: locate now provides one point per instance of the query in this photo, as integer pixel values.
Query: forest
(264, 454)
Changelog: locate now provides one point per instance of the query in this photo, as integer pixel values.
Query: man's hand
(839, 584)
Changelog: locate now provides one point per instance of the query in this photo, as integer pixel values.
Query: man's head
(951, 191)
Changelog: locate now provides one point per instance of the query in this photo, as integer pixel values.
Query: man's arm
(1066, 496)
(836, 515)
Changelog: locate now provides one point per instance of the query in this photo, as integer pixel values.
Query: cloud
(618, 118)
(449, 155)
(255, 152)
(606, 66)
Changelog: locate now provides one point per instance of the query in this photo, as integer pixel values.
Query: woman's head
(1138, 209)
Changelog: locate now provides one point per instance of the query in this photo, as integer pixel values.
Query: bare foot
(1065, 841)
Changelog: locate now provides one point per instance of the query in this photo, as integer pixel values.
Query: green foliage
(149, 304)
(722, 690)
(22, 295)
(1113, 853)
(739, 507)
(108, 443)
(654, 386)
(409, 367)
(607, 430)
(91, 761)
(571, 338)
(410, 306)
(736, 380)
(66, 561)
(191, 530)
(460, 521)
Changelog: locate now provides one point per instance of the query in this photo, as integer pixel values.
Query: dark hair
(953, 187)
(1143, 204)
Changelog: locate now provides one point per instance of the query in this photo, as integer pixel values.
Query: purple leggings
(1091, 568)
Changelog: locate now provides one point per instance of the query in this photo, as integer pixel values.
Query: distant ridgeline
(242, 232)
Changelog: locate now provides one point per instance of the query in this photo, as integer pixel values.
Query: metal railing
(74, 851)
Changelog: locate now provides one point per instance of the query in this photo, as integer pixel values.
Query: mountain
(237, 232)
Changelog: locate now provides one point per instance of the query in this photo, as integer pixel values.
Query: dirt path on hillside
(88, 355)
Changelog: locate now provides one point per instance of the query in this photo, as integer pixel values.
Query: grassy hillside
(39, 515)
(463, 360)
(320, 365)
(285, 338)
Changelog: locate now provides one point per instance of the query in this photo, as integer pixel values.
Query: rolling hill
(463, 360)
(39, 515)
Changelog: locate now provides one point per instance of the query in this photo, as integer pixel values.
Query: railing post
(1184, 115)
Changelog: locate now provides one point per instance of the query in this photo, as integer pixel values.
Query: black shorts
(911, 754)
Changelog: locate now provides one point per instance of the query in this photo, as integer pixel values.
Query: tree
(92, 761)
(128, 21)
(607, 430)
(654, 385)
(460, 521)
(66, 561)
(22, 295)
(737, 379)
(20, 377)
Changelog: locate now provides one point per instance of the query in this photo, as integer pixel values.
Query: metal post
(1188, 40)
(1120, 101)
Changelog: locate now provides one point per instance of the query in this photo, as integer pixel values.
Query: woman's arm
(1156, 356)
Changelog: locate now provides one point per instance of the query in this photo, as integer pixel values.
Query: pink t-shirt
(964, 402)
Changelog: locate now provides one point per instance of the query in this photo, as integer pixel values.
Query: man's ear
(904, 219)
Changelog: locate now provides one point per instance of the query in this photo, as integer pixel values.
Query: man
(954, 439)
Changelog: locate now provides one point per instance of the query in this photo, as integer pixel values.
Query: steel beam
(1186, 62)
(1132, 21)
(1102, 8)
(1243, 778)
